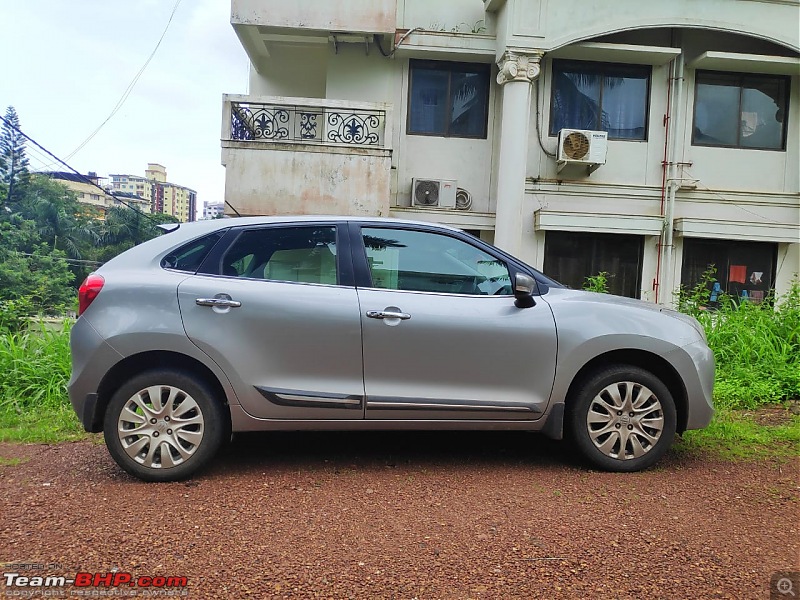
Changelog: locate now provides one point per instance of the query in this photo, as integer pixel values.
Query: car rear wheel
(623, 418)
(163, 425)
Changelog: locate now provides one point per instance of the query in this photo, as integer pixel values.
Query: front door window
(402, 259)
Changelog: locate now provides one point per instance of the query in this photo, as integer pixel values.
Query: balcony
(335, 123)
(306, 156)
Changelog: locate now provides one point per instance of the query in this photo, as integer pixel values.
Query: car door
(442, 336)
(275, 308)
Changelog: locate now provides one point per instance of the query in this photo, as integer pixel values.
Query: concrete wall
(443, 15)
(279, 179)
(371, 16)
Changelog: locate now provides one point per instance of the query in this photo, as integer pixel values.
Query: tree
(56, 212)
(34, 279)
(14, 172)
(126, 227)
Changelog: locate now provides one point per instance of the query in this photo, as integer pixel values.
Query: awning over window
(617, 53)
(730, 230)
(746, 63)
(546, 220)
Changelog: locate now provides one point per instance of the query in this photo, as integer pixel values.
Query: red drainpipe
(657, 280)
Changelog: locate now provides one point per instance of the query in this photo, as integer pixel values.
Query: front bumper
(695, 365)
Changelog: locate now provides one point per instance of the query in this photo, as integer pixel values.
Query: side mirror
(523, 291)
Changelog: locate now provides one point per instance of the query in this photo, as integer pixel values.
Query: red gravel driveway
(403, 515)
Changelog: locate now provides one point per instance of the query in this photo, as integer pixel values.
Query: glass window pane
(743, 269)
(716, 110)
(625, 107)
(572, 257)
(427, 262)
(428, 105)
(297, 254)
(576, 100)
(468, 104)
(763, 106)
(191, 256)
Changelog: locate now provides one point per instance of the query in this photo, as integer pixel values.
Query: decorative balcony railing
(260, 121)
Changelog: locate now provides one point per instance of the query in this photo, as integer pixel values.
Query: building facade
(212, 210)
(162, 196)
(89, 189)
(647, 140)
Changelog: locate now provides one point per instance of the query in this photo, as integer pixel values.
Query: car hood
(605, 314)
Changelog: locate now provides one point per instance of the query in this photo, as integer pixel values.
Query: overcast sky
(66, 64)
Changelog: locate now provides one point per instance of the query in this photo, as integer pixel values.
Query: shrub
(756, 346)
(34, 368)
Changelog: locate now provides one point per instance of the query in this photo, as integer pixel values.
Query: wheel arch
(133, 365)
(643, 359)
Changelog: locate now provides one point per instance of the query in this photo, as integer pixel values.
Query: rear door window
(190, 256)
(304, 254)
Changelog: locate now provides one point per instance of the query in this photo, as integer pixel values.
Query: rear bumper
(92, 358)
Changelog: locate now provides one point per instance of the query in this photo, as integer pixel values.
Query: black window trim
(600, 67)
(450, 66)
(740, 79)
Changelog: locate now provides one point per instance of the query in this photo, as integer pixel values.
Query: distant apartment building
(212, 210)
(87, 187)
(162, 196)
(89, 190)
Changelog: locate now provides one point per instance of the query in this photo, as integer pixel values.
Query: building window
(572, 257)
(740, 111)
(600, 97)
(743, 269)
(448, 99)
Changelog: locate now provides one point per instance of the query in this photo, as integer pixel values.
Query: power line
(79, 174)
(130, 87)
(71, 261)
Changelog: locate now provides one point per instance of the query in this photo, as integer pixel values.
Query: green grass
(735, 435)
(34, 370)
(41, 425)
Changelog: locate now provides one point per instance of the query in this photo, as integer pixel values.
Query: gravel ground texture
(403, 515)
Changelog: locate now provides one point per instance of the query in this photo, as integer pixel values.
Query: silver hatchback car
(289, 323)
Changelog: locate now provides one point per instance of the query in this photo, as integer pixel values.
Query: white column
(517, 72)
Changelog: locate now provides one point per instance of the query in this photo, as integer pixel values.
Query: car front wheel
(163, 425)
(623, 418)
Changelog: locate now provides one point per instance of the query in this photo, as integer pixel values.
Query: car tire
(622, 418)
(164, 425)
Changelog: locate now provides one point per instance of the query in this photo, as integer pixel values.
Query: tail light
(88, 291)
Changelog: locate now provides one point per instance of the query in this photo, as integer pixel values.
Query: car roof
(148, 252)
(214, 224)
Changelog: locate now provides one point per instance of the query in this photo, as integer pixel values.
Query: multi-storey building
(89, 190)
(645, 139)
(164, 197)
(212, 210)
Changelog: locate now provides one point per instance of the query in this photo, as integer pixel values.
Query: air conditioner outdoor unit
(581, 147)
(439, 193)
